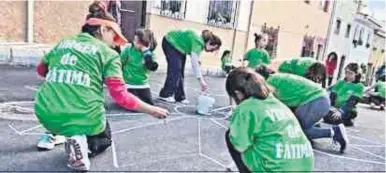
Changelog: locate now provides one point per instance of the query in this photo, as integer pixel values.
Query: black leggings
(236, 155)
(143, 93)
(100, 142)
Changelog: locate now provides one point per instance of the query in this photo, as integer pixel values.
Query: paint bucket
(204, 104)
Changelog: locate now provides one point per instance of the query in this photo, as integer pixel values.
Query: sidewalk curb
(30, 55)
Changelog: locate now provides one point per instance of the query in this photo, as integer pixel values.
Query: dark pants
(236, 155)
(100, 142)
(329, 81)
(376, 99)
(174, 83)
(143, 93)
(312, 112)
(228, 68)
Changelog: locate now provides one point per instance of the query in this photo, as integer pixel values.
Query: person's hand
(204, 86)
(158, 112)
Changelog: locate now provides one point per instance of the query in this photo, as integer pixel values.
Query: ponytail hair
(96, 10)
(248, 82)
(225, 53)
(213, 39)
(146, 37)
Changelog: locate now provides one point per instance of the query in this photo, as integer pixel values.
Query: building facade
(377, 54)
(291, 25)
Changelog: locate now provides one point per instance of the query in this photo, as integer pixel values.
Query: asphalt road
(186, 142)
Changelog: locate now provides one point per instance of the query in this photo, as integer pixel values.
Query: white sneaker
(77, 150)
(48, 141)
(185, 101)
(168, 99)
(372, 105)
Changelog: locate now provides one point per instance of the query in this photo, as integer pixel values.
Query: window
(326, 5)
(308, 46)
(307, 1)
(174, 9)
(337, 28)
(368, 40)
(223, 13)
(273, 37)
(348, 29)
(360, 39)
(319, 51)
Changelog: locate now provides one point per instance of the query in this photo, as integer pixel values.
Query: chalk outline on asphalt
(21, 133)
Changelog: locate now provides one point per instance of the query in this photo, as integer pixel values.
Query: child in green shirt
(304, 66)
(258, 55)
(226, 62)
(137, 62)
(346, 94)
(262, 130)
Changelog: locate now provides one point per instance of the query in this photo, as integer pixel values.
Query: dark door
(341, 66)
(133, 17)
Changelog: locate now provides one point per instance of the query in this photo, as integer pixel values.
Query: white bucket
(205, 104)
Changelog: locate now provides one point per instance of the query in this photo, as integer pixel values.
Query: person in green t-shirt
(137, 62)
(309, 101)
(263, 132)
(71, 100)
(226, 62)
(176, 44)
(378, 96)
(304, 66)
(258, 55)
(346, 94)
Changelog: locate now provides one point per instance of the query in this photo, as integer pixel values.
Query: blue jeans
(312, 112)
(174, 83)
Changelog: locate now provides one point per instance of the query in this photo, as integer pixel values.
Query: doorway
(133, 16)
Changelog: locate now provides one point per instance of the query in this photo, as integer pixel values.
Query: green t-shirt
(294, 90)
(71, 100)
(134, 71)
(269, 137)
(381, 88)
(256, 57)
(226, 61)
(344, 90)
(186, 41)
(298, 66)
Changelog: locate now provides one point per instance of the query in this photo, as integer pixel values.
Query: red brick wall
(54, 20)
(13, 20)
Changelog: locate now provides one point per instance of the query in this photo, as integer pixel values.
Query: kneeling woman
(262, 130)
(70, 101)
(310, 103)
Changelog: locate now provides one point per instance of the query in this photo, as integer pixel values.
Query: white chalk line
(369, 146)
(33, 88)
(115, 160)
(24, 132)
(366, 140)
(162, 159)
(349, 158)
(219, 124)
(147, 125)
(213, 160)
(368, 152)
(16, 131)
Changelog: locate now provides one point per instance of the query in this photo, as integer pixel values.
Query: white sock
(332, 132)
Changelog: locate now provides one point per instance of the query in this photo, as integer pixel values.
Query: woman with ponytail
(71, 100)
(262, 129)
(258, 55)
(176, 45)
